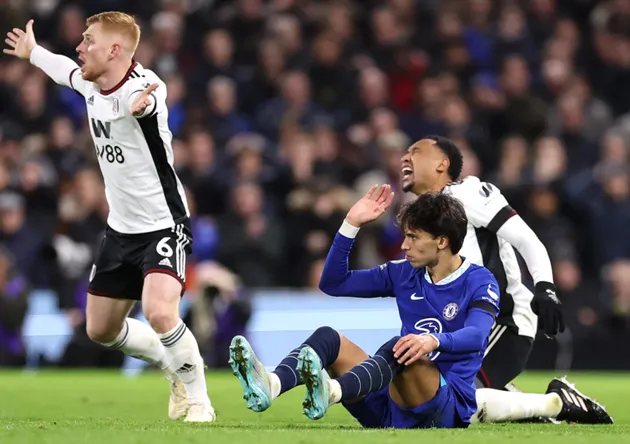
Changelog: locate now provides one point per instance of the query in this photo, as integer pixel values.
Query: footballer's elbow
(330, 286)
(327, 287)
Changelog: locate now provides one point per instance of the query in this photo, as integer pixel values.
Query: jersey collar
(451, 277)
(122, 82)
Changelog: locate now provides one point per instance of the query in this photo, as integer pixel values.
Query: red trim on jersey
(170, 273)
(70, 78)
(486, 381)
(122, 82)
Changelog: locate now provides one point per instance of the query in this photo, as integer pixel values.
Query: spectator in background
(33, 113)
(248, 22)
(175, 101)
(293, 106)
(221, 310)
(26, 244)
(167, 30)
(13, 308)
(223, 119)
(426, 116)
(252, 243)
(331, 78)
(610, 215)
(316, 211)
(217, 60)
(286, 28)
(62, 150)
(524, 113)
(550, 161)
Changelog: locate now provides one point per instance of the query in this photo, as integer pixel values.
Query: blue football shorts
(377, 410)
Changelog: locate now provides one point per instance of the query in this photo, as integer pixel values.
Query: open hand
(21, 42)
(412, 347)
(143, 100)
(371, 206)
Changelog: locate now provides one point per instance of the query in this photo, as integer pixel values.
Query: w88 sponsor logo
(111, 154)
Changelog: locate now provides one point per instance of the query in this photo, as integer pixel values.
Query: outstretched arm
(60, 69)
(337, 279)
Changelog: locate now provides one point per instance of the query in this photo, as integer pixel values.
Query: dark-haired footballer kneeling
(422, 378)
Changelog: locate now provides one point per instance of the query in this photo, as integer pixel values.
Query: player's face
(95, 50)
(421, 165)
(421, 248)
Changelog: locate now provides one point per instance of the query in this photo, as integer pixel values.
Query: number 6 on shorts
(163, 248)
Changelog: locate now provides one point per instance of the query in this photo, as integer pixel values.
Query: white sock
(276, 386)
(334, 391)
(186, 362)
(138, 339)
(498, 406)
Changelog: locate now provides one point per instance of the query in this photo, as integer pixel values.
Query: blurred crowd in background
(283, 112)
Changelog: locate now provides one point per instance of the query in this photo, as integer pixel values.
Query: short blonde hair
(120, 22)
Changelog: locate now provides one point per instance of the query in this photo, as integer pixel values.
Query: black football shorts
(123, 260)
(506, 357)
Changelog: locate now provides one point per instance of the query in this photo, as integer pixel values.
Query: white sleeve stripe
(516, 232)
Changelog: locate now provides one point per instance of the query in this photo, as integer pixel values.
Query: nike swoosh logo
(416, 298)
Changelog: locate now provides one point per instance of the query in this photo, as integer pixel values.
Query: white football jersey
(487, 210)
(134, 153)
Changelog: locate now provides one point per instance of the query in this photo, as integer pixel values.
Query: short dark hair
(453, 153)
(438, 214)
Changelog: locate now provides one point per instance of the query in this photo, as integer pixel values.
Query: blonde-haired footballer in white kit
(143, 253)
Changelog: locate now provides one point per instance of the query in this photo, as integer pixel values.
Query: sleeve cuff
(347, 230)
(34, 53)
(436, 338)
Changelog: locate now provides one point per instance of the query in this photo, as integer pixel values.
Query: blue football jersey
(427, 307)
(424, 307)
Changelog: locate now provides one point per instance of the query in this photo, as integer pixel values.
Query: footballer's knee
(101, 332)
(160, 301)
(161, 317)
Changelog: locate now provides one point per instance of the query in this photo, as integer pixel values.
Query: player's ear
(114, 50)
(443, 165)
(443, 242)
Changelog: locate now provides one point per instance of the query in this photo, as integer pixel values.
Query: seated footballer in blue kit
(422, 378)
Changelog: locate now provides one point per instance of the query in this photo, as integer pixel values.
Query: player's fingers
(12, 36)
(29, 26)
(9, 51)
(382, 193)
(10, 42)
(18, 32)
(150, 89)
(415, 357)
(410, 353)
(379, 194)
(401, 346)
(371, 191)
(388, 201)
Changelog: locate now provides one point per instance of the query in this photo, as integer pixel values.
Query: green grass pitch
(95, 408)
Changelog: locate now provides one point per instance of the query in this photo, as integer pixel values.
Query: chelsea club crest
(450, 311)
